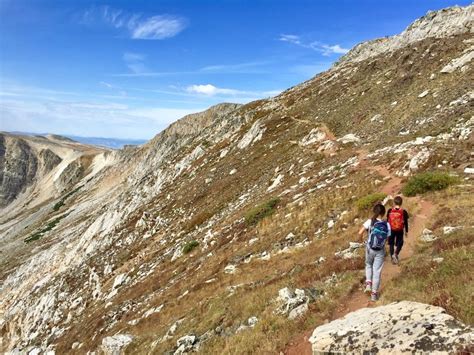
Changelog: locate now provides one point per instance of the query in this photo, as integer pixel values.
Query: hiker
(397, 217)
(378, 232)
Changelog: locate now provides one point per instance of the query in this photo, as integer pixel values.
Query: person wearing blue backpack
(378, 232)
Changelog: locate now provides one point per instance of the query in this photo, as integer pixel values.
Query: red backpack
(396, 220)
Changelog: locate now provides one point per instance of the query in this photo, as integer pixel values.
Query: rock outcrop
(437, 24)
(398, 328)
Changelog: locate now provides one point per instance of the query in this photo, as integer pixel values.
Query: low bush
(189, 246)
(367, 202)
(261, 211)
(428, 181)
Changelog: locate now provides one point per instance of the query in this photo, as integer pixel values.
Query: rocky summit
(228, 232)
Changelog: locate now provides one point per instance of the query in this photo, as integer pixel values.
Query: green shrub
(189, 246)
(429, 181)
(261, 211)
(367, 202)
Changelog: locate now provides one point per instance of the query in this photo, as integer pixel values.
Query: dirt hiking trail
(420, 214)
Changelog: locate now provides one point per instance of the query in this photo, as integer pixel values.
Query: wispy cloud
(236, 68)
(156, 27)
(245, 67)
(134, 62)
(323, 48)
(136, 25)
(107, 85)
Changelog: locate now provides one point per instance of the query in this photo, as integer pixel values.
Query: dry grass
(448, 284)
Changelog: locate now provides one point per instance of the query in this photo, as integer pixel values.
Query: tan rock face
(398, 328)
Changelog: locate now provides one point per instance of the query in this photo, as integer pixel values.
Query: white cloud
(328, 50)
(324, 49)
(156, 27)
(239, 95)
(210, 90)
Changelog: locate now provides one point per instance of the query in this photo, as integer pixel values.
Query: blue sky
(128, 69)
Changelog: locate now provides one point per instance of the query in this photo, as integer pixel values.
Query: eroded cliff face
(143, 235)
(18, 168)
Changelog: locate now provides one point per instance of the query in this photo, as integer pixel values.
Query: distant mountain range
(114, 143)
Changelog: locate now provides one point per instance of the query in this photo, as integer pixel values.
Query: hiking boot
(397, 259)
(394, 260)
(368, 288)
(374, 296)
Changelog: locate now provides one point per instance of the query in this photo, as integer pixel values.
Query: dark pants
(395, 239)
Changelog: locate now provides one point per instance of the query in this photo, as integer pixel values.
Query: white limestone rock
(186, 344)
(423, 94)
(116, 344)
(398, 328)
(277, 181)
(427, 236)
(451, 229)
(459, 62)
(230, 269)
(253, 135)
(290, 300)
(349, 138)
(314, 136)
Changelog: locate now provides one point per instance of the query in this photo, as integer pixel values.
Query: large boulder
(398, 328)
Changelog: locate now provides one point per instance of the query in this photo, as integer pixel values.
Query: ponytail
(378, 210)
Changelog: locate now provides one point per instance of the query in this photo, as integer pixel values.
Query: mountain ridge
(158, 237)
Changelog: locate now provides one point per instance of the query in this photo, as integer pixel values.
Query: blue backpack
(378, 234)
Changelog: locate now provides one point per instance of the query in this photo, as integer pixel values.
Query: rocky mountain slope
(228, 232)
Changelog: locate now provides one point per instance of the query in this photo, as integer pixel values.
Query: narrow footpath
(357, 299)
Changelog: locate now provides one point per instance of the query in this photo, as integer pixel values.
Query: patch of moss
(189, 246)
(261, 211)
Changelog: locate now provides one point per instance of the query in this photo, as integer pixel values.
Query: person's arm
(405, 221)
(361, 234)
(365, 227)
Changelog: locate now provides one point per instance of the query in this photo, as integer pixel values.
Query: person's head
(379, 211)
(398, 201)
